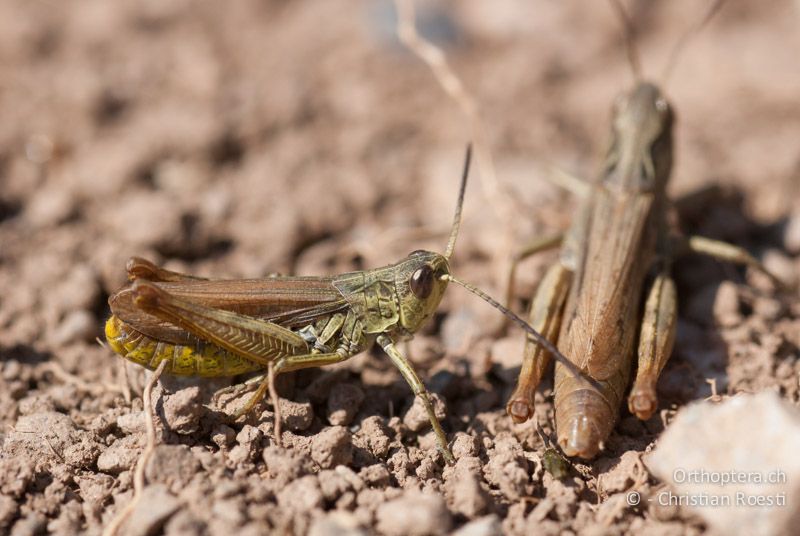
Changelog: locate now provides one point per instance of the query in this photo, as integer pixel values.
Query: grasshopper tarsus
(519, 409)
(643, 401)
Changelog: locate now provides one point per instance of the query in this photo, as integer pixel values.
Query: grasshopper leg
(419, 390)
(267, 382)
(545, 317)
(286, 364)
(656, 339)
(139, 268)
(730, 253)
(534, 247)
(237, 389)
(566, 180)
(255, 398)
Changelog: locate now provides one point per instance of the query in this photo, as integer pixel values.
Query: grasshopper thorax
(420, 287)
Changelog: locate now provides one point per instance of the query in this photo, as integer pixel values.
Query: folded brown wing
(288, 301)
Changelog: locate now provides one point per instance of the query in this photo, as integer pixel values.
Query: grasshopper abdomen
(201, 359)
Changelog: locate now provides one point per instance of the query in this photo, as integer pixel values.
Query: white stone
(735, 453)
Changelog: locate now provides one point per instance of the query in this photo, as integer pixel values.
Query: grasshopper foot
(643, 401)
(519, 409)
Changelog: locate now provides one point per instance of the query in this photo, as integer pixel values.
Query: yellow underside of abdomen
(204, 359)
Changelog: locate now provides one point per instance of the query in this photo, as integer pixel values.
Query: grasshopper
(279, 324)
(617, 253)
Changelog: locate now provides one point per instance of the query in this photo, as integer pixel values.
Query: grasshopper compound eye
(421, 282)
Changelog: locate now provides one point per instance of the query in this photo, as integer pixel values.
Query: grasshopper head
(420, 287)
(640, 156)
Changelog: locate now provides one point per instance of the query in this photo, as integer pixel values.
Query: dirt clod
(301, 495)
(172, 465)
(621, 473)
(120, 455)
(336, 524)
(182, 410)
(507, 468)
(416, 418)
(297, 416)
(430, 515)
(343, 403)
(465, 490)
(331, 447)
(152, 511)
(374, 436)
(285, 465)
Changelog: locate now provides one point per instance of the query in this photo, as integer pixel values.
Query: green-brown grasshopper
(279, 324)
(617, 254)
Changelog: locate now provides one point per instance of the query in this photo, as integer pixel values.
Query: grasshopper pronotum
(279, 324)
(618, 250)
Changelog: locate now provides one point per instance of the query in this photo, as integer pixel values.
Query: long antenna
(630, 39)
(558, 356)
(691, 32)
(451, 243)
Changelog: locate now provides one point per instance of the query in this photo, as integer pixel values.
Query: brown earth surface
(240, 139)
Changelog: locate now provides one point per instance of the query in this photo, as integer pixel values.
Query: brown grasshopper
(618, 250)
(280, 324)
